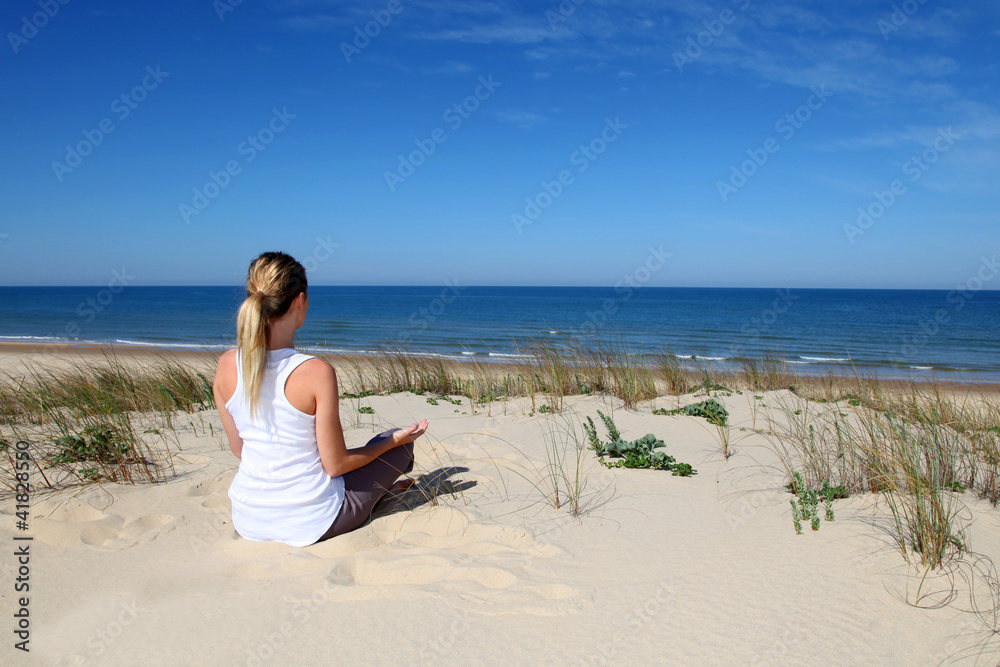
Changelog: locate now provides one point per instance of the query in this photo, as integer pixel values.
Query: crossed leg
(366, 485)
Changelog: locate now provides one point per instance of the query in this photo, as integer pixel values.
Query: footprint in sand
(113, 533)
(74, 522)
(442, 552)
(214, 494)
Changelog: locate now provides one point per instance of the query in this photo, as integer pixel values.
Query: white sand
(659, 570)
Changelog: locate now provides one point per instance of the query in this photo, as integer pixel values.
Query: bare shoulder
(227, 360)
(313, 380)
(225, 375)
(315, 375)
(227, 366)
(316, 368)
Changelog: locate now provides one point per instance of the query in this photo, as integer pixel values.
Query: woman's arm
(333, 452)
(223, 387)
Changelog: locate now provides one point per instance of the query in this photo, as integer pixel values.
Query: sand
(705, 570)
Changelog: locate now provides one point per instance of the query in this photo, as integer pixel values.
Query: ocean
(922, 334)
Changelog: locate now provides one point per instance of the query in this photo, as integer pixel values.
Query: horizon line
(439, 285)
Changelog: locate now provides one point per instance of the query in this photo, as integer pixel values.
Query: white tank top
(281, 491)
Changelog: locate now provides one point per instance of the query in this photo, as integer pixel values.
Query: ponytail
(251, 340)
(273, 281)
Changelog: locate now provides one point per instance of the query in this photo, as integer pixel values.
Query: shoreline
(819, 365)
(13, 351)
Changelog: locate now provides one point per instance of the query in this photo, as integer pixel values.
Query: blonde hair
(274, 279)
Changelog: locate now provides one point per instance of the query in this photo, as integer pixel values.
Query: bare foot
(401, 486)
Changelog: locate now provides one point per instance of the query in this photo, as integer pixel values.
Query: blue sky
(500, 143)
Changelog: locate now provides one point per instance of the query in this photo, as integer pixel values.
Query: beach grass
(918, 445)
(91, 421)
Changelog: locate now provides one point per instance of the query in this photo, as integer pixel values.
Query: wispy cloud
(448, 67)
(488, 34)
(525, 120)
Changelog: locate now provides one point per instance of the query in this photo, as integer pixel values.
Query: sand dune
(473, 566)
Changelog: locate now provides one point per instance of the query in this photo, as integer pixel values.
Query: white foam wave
(30, 338)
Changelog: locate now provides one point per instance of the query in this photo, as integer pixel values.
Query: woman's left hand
(410, 433)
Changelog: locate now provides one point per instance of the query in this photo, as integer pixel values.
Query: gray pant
(366, 485)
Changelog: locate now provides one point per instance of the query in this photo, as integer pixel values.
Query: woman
(297, 482)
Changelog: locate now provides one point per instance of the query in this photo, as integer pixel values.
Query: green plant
(366, 410)
(710, 409)
(683, 470)
(609, 424)
(102, 445)
(807, 507)
(796, 521)
(640, 453)
(360, 394)
(592, 440)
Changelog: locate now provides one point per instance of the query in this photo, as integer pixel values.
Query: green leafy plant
(807, 507)
(360, 394)
(366, 410)
(640, 453)
(94, 444)
(711, 410)
(796, 520)
(609, 424)
(592, 440)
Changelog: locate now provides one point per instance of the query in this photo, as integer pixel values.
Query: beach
(476, 565)
(698, 303)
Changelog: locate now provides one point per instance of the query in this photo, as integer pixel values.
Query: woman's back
(281, 491)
